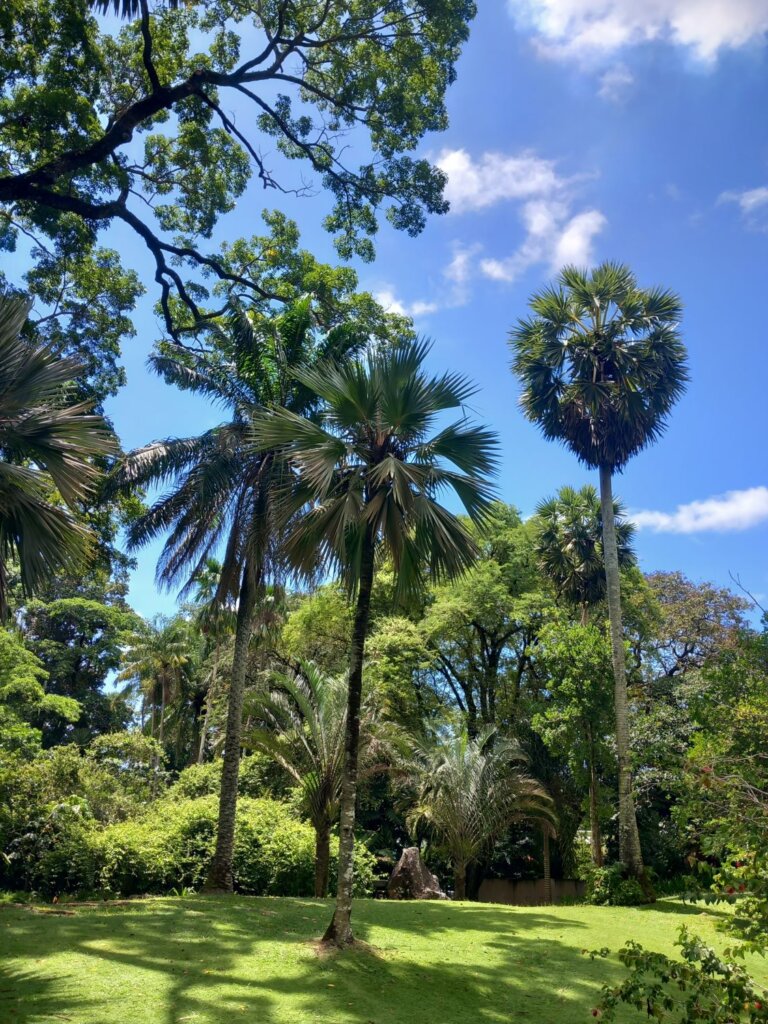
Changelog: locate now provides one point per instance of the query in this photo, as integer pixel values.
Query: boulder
(411, 879)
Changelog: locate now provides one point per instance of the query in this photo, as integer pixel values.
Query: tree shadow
(205, 960)
(680, 909)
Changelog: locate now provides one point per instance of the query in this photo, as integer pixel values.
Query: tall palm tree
(569, 545)
(302, 727)
(372, 470)
(46, 447)
(601, 364)
(156, 660)
(470, 791)
(224, 491)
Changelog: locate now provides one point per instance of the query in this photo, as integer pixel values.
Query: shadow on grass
(208, 960)
(681, 909)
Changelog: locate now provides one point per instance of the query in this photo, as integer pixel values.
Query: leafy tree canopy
(134, 124)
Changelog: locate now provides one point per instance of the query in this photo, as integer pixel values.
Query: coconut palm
(224, 492)
(470, 791)
(372, 470)
(569, 545)
(601, 365)
(47, 448)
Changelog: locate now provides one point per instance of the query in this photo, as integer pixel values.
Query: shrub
(608, 887)
(172, 845)
(258, 777)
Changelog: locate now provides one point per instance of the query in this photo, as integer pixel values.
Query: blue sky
(580, 130)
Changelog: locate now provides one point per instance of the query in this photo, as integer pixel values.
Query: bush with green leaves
(702, 986)
(171, 847)
(610, 887)
(258, 777)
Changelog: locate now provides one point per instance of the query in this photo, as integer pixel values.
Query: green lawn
(210, 960)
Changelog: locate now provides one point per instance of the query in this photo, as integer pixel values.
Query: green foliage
(702, 986)
(134, 126)
(80, 642)
(609, 886)
(258, 777)
(170, 847)
(318, 629)
(23, 697)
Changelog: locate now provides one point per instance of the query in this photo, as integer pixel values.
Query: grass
(213, 960)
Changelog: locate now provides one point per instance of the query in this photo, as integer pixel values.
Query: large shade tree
(601, 364)
(49, 457)
(226, 494)
(159, 124)
(372, 470)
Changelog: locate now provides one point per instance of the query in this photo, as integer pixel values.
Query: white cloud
(457, 274)
(595, 29)
(615, 83)
(734, 510)
(555, 234)
(477, 184)
(753, 204)
(553, 237)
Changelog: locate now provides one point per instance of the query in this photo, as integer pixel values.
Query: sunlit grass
(208, 960)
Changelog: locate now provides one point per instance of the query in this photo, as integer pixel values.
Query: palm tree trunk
(162, 714)
(220, 873)
(322, 859)
(208, 702)
(459, 880)
(339, 931)
(629, 838)
(594, 817)
(547, 859)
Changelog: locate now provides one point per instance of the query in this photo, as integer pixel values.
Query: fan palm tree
(47, 448)
(601, 364)
(303, 724)
(372, 469)
(569, 545)
(470, 791)
(224, 491)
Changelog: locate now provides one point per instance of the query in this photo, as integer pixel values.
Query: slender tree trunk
(629, 838)
(160, 731)
(460, 881)
(594, 817)
(220, 873)
(208, 702)
(322, 858)
(547, 860)
(339, 931)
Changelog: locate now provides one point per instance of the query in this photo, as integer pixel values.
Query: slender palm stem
(220, 874)
(629, 837)
(339, 930)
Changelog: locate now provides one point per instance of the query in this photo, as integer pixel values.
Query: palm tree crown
(46, 446)
(601, 363)
(569, 544)
(373, 467)
(470, 791)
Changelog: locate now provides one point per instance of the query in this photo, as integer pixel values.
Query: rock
(411, 880)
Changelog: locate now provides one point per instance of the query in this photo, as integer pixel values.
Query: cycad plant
(601, 364)
(301, 725)
(226, 493)
(469, 792)
(569, 545)
(47, 453)
(372, 471)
